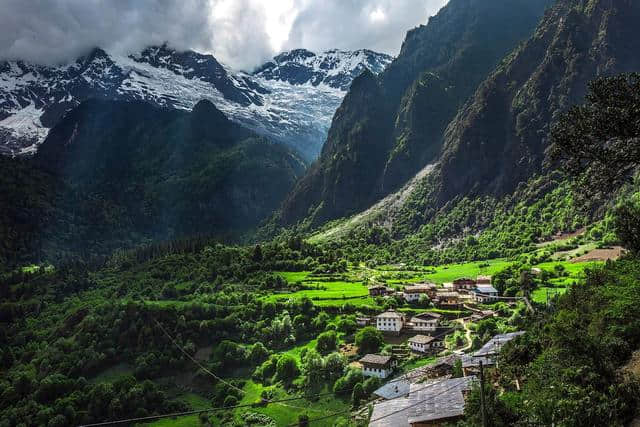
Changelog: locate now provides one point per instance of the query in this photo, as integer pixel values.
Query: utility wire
(197, 411)
(264, 401)
(412, 405)
(195, 360)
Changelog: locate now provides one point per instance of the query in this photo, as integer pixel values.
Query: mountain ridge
(34, 97)
(116, 174)
(418, 94)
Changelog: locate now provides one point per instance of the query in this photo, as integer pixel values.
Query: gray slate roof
(492, 347)
(393, 389)
(375, 359)
(392, 314)
(426, 402)
(474, 362)
(486, 289)
(421, 339)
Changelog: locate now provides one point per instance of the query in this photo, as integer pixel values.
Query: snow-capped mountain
(290, 99)
(333, 68)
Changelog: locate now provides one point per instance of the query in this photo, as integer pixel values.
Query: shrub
(327, 342)
(369, 340)
(287, 369)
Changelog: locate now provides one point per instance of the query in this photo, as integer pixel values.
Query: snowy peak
(193, 65)
(333, 68)
(291, 100)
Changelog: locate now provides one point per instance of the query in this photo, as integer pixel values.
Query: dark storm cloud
(241, 33)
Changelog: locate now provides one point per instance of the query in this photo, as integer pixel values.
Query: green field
(329, 293)
(294, 276)
(540, 294)
(113, 373)
(287, 413)
(186, 421)
(450, 272)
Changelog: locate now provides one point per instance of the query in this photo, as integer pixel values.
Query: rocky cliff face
(373, 150)
(498, 139)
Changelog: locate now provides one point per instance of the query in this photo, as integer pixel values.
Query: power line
(386, 400)
(199, 411)
(264, 401)
(414, 404)
(193, 359)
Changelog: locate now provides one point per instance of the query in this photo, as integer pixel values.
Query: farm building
(378, 290)
(483, 280)
(413, 293)
(390, 321)
(425, 322)
(447, 299)
(484, 293)
(375, 365)
(464, 283)
(424, 343)
(363, 321)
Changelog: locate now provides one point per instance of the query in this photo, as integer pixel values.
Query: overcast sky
(240, 33)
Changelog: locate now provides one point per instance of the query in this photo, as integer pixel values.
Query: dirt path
(467, 335)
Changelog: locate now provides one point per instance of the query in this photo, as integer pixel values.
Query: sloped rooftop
(425, 402)
(492, 347)
(375, 359)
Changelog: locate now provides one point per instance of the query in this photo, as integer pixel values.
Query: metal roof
(485, 289)
(492, 347)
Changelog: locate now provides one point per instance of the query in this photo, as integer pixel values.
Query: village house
(450, 300)
(378, 290)
(425, 322)
(390, 321)
(483, 280)
(434, 404)
(493, 346)
(413, 293)
(376, 365)
(424, 343)
(464, 284)
(484, 293)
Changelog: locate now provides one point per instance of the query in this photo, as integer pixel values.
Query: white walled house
(424, 343)
(485, 293)
(413, 293)
(375, 365)
(420, 343)
(426, 322)
(390, 321)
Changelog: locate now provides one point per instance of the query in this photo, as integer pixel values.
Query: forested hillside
(490, 166)
(486, 184)
(389, 127)
(115, 174)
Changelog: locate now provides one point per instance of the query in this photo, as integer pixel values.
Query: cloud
(240, 33)
(50, 31)
(379, 25)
